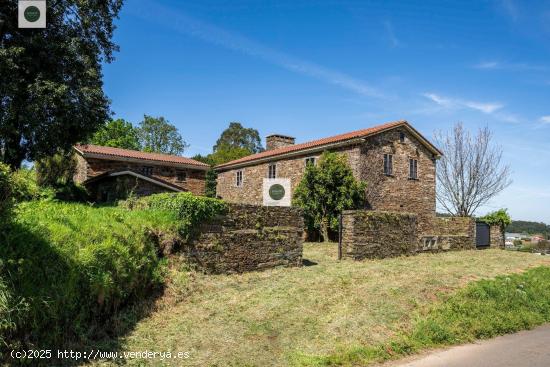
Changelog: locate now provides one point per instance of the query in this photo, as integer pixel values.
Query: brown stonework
(377, 234)
(497, 236)
(277, 141)
(88, 168)
(248, 238)
(366, 158)
(368, 234)
(449, 233)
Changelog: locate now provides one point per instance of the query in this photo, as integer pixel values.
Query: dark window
(388, 164)
(181, 176)
(147, 171)
(310, 160)
(272, 171)
(402, 137)
(413, 169)
(239, 178)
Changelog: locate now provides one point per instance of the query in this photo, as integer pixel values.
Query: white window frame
(312, 159)
(239, 180)
(272, 170)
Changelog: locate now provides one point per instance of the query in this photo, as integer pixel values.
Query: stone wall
(248, 238)
(449, 233)
(92, 167)
(371, 234)
(251, 190)
(497, 237)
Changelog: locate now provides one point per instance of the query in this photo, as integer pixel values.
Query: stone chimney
(275, 141)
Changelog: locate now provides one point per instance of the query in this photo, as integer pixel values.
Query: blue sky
(312, 69)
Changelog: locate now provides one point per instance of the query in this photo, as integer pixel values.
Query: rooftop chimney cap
(280, 136)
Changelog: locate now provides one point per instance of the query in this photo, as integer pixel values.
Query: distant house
(394, 156)
(112, 173)
(516, 236)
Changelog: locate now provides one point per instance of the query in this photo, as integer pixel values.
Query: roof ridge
(136, 154)
(316, 143)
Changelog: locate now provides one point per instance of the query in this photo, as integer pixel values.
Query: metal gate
(483, 235)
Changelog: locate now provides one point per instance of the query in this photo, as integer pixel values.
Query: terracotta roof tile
(110, 152)
(319, 143)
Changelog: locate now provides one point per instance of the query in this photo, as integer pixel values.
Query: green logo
(277, 192)
(32, 14)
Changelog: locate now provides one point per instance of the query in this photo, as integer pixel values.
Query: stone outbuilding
(394, 159)
(113, 173)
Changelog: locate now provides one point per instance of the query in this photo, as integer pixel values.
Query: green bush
(66, 268)
(191, 210)
(26, 186)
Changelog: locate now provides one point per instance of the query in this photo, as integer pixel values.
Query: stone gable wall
(248, 238)
(91, 167)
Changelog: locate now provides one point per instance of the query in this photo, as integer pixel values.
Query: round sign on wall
(32, 13)
(276, 192)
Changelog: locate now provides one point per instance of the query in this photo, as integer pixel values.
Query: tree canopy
(237, 136)
(51, 88)
(158, 135)
(118, 134)
(326, 190)
(499, 218)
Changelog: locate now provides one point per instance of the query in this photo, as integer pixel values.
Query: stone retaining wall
(449, 233)
(249, 238)
(377, 234)
(368, 234)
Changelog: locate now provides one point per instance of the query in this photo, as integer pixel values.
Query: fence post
(340, 221)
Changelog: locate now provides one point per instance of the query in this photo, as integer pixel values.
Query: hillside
(523, 226)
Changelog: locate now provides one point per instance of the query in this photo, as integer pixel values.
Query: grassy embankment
(343, 313)
(66, 268)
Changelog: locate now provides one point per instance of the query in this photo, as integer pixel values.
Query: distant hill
(523, 226)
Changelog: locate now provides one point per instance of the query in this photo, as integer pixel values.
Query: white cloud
(499, 65)
(210, 33)
(391, 34)
(452, 103)
(487, 65)
(545, 119)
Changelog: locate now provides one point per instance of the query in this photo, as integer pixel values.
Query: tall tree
(158, 135)
(325, 190)
(237, 136)
(118, 134)
(51, 92)
(471, 171)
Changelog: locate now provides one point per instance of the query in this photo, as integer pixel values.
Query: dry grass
(264, 318)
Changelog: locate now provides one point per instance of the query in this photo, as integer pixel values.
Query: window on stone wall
(239, 178)
(272, 171)
(413, 169)
(388, 164)
(181, 176)
(402, 137)
(147, 170)
(310, 160)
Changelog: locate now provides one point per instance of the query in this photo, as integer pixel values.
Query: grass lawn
(272, 318)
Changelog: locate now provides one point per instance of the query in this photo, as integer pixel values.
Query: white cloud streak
(498, 65)
(185, 24)
(453, 103)
(545, 119)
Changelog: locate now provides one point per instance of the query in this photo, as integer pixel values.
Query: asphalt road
(527, 348)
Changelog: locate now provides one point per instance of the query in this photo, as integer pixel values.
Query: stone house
(394, 159)
(112, 173)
